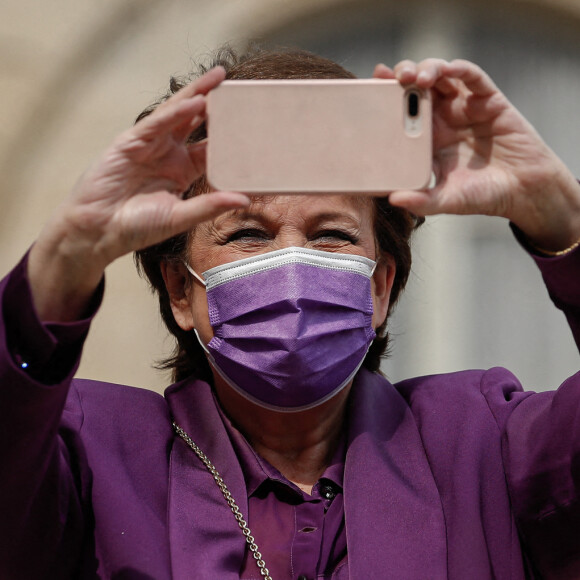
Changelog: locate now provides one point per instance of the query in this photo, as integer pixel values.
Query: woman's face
(335, 223)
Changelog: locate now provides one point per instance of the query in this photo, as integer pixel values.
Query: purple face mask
(291, 327)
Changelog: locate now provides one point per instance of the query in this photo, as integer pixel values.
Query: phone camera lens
(413, 104)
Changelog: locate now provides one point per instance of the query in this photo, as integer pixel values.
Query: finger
(200, 86)
(406, 72)
(430, 72)
(164, 120)
(446, 86)
(472, 76)
(420, 203)
(424, 74)
(382, 71)
(200, 208)
(440, 74)
(184, 105)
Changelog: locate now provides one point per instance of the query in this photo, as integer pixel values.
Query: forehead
(307, 207)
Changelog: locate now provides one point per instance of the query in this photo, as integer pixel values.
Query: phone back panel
(317, 136)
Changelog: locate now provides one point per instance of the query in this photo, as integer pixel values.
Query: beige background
(75, 73)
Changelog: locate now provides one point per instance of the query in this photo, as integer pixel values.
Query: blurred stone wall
(74, 74)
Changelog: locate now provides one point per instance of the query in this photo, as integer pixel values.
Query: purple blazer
(461, 476)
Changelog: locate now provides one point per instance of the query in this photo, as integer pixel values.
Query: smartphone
(364, 136)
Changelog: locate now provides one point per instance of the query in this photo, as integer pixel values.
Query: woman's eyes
(327, 235)
(247, 234)
(336, 235)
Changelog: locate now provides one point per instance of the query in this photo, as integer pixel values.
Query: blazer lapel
(205, 539)
(394, 518)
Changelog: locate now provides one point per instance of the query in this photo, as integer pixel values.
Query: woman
(456, 476)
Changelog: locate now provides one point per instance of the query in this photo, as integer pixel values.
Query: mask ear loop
(195, 274)
(200, 341)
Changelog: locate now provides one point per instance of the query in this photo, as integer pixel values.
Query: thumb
(200, 208)
(419, 202)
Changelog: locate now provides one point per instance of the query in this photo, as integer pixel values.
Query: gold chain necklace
(229, 498)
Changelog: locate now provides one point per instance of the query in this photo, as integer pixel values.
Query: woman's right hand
(129, 199)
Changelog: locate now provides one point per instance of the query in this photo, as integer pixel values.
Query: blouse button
(328, 492)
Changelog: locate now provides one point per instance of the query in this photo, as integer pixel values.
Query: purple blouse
(457, 476)
(299, 535)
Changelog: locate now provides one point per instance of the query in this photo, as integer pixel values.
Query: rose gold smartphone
(318, 136)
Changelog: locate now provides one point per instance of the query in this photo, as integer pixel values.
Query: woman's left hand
(487, 158)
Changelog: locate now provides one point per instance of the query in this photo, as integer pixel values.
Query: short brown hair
(393, 226)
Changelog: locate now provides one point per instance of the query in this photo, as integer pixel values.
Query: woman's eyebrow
(245, 215)
(335, 217)
(240, 215)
